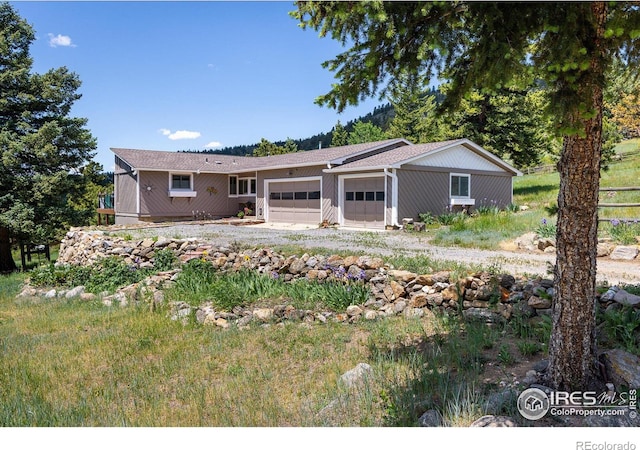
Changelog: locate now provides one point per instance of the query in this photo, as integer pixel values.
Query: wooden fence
(618, 205)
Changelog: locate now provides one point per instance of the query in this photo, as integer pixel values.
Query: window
(349, 196)
(369, 196)
(460, 185)
(287, 196)
(275, 196)
(359, 196)
(380, 196)
(314, 195)
(181, 185)
(181, 181)
(233, 185)
(242, 186)
(301, 195)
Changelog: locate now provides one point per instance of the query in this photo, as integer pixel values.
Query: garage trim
(268, 181)
(341, 200)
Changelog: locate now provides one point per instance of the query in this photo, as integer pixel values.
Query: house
(370, 185)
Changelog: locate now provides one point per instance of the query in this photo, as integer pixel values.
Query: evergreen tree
(266, 148)
(415, 116)
(509, 123)
(487, 46)
(365, 132)
(42, 149)
(290, 146)
(340, 136)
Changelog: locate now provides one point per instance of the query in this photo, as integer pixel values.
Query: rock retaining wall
(482, 296)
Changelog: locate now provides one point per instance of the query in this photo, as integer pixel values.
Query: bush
(427, 218)
(107, 274)
(164, 260)
(546, 229)
(624, 231)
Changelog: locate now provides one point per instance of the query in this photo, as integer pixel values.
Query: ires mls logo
(535, 403)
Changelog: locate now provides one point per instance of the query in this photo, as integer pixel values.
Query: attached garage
(363, 202)
(294, 201)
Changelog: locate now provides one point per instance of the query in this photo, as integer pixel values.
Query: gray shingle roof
(397, 156)
(216, 163)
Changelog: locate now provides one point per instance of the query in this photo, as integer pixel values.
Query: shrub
(427, 218)
(624, 231)
(546, 229)
(164, 260)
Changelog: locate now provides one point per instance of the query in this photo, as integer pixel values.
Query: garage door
(364, 202)
(295, 202)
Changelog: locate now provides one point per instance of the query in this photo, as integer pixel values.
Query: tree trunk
(572, 349)
(6, 259)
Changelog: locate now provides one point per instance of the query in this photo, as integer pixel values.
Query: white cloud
(180, 134)
(60, 41)
(213, 144)
(184, 134)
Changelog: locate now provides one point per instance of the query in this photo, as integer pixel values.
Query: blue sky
(188, 75)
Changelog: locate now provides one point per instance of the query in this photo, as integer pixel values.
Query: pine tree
(340, 136)
(487, 46)
(365, 132)
(415, 114)
(42, 149)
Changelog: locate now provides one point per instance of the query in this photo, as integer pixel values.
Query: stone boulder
(623, 368)
(624, 252)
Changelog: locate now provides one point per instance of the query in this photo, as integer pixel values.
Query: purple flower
(362, 275)
(275, 275)
(544, 221)
(615, 222)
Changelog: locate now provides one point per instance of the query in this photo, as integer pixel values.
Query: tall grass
(199, 282)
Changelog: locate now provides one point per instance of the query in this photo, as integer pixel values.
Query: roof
(154, 160)
(410, 153)
(347, 158)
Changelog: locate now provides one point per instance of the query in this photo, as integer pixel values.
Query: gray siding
(125, 188)
(491, 190)
(422, 189)
(212, 197)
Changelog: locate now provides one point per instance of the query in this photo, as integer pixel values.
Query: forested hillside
(380, 116)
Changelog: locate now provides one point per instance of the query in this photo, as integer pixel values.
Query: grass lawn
(539, 192)
(74, 363)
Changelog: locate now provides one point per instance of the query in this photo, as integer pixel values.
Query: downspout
(394, 195)
(137, 175)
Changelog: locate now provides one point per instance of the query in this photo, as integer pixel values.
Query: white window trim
(181, 192)
(460, 199)
(238, 180)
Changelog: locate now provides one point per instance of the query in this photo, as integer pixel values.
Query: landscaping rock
(494, 421)
(353, 310)
(75, 292)
(263, 314)
(539, 303)
(431, 418)
(356, 376)
(483, 315)
(623, 368)
(627, 299)
(624, 252)
(497, 401)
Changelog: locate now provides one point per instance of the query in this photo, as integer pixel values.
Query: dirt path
(381, 243)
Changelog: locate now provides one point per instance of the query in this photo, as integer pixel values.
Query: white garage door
(294, 202)
(364, 202)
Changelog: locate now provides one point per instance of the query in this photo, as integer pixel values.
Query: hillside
(380, 116)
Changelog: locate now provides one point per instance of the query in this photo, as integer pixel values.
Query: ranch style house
(369, 185)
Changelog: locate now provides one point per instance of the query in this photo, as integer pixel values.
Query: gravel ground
(383, 243)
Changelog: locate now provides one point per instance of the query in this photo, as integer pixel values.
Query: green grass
(200, 282)
(78, 363)
(539, 192)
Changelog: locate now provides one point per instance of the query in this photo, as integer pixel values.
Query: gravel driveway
(383, 243)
